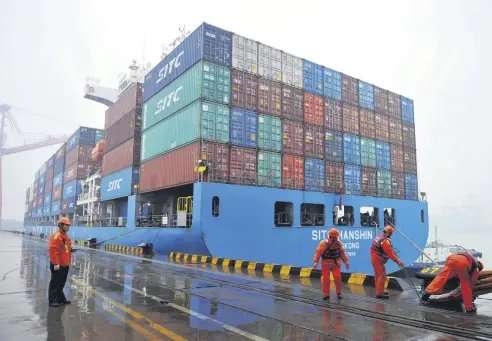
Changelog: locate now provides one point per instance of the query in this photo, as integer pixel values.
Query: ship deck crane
(30, 144)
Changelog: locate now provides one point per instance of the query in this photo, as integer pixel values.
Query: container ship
(232, 148)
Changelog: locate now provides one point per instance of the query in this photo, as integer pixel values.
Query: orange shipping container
(292, 172)
(314, 109)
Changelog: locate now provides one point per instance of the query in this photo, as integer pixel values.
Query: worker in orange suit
(381, 251)
(332, 254)
(467, 268)
(60, 250)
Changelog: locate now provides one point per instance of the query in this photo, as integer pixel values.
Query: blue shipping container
(407, 109)
(366, 95)
(83, 135)
(351, 149)
(314, 175)
(119, 184)
(333, 146)
(411, 187)
(68, 205)
(51, 162)
(47, 198)
(352, 179)
(244, 127)
(72, 189)
(55, 207)
(332, 84)
(383, 155)
(207, 42)
(46, 210)
(58, 180)
(313, 77)
(59, 166)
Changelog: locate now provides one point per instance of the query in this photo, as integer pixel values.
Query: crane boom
(36, 145)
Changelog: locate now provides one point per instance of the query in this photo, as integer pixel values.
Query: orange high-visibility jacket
(60, 248)
(332, 251)
(381, 247)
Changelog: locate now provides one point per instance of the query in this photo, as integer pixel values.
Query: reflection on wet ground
(117, 297)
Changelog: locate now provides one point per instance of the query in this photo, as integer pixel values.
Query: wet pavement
(122, 297)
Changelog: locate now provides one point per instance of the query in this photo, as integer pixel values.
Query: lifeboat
(97, 152)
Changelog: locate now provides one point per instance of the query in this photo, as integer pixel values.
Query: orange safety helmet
(64, 220)
(389, 229)
(333, 233)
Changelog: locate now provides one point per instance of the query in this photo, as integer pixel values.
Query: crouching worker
(332, 254)
(467, 268)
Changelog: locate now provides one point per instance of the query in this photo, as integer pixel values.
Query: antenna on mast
(166, 49)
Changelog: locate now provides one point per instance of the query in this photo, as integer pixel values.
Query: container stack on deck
(121, 155)
(259, 116)
(58, 172)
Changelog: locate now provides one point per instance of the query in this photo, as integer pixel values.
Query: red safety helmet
(389, 229)
(333, 233)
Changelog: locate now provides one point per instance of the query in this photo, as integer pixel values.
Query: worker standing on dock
(60, 250)
(467, 268)
(332, 254)
(381, 251)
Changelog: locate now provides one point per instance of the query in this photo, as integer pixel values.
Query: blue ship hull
(244, 228)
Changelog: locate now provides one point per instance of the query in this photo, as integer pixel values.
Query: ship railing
(284, 219)
(100, 222)
(313, 219)
(163, 221)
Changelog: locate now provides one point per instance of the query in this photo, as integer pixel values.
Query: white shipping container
(292, 70)
(270, 63)
(244, 54)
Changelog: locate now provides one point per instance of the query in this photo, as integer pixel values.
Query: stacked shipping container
(250, 96)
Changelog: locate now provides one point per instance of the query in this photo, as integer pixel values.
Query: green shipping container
(200, 120)
(368, 152)
(269, 133)
(269, 169)
(206, 80)
(384, 183)
(99, 135)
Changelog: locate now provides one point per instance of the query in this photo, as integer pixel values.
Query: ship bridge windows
(284, 214)
(389, 216)
(369, 216)
(312, 215)
(343, 216)
(215, 206)
(422, 216)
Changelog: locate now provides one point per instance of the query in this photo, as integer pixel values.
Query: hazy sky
(435, 52)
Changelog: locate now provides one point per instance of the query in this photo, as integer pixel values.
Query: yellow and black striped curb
(284, 270)
(124, 249)
(82, 242)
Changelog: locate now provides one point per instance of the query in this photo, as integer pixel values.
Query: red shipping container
(380, 101)
(382, 127)
(130, 100)
(314, 109)
(350, 119)
(334, 177)
(60, 153)
(333, 115)
(314, 141)
(410, 160)
(395, 132)
(292, 172)
(350, 90)
(369, 183)
(126, 128)
(48, 186)
(269, 97)
(81, 153)
(78, 170)
(397, 185)
(409, 136)
(178, 167)
(57, 193)
(367, 124)
(397, 163)
(125, 155)
(394, 105)
(292, 103)
(244, 90)
(243, 168)
(292, 137)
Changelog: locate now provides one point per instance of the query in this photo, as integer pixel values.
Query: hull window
(312, 215)
(369, 216)
(343, 216)
(422, 216)
(215, 206)
(389, 216)
(284, 214)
